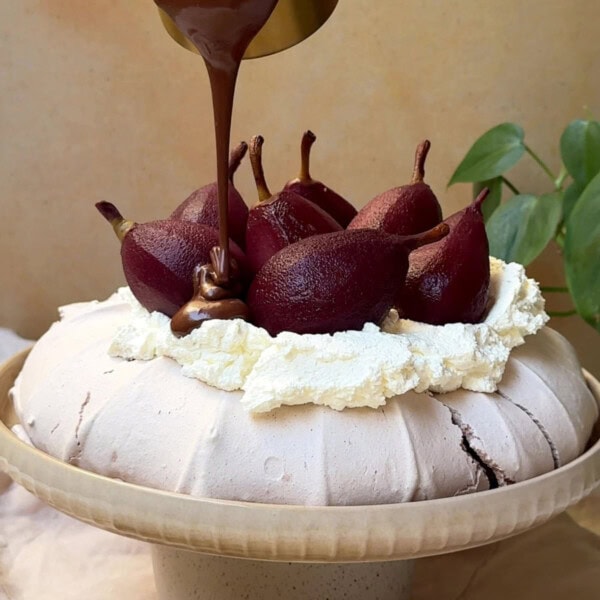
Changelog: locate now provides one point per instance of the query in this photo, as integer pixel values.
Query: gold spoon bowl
(291, 22)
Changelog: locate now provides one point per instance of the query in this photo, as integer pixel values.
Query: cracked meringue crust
(146, 423)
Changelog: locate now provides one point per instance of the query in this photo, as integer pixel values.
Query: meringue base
(144, 422)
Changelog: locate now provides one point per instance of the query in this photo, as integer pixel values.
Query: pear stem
(111, 213)
(435, 234)
(478, 202)
(308, 139)
(235, 158)
(420, 157)
(257, 168)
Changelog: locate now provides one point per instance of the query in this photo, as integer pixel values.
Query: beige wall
(97, 103)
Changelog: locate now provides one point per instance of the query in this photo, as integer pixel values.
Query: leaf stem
(558, 184)
(509, 185)
(540, 162)
(562, 313)
(554, 289)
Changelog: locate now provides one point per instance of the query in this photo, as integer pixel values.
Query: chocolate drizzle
(214, 298)
(222, 31)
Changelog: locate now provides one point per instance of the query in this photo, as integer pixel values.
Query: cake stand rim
(297, 533)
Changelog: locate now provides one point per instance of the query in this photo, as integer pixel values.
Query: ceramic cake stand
(225, 550)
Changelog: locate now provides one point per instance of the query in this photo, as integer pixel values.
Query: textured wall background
(98, 103)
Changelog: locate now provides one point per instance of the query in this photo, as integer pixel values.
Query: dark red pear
(406, 209)
(448, 282)
(159, 257)
(202, 205)
(281, 219)
(333, 282)
(316, 191)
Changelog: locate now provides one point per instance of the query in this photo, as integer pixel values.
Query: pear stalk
(435, 234)
(111, 213)
(420, 158)
(483, 194)
(236, 157)
(256, 144)
(308, 139)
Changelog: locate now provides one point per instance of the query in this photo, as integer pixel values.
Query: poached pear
(403, 210)
(316, 191)
(333, 282)
(448, 281)
(202, 205)
(159, 257)
(281, 219)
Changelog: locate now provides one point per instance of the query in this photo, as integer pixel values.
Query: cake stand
(205, 548)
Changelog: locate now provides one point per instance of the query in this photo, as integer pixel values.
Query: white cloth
(45, 555)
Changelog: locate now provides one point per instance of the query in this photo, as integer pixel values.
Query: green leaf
(580, 150)
(490, 204)
(492, 154)
(582, 253)
(521, 228)
(571, 195)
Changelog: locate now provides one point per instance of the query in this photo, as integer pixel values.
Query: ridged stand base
(183, 575)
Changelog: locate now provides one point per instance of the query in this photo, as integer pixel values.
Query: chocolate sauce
(221, 30)
(210, 301)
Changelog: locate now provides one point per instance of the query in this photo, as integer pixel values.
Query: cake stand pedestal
(188, 575)
(224, 550)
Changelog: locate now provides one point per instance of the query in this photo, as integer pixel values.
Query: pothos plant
(569, 213)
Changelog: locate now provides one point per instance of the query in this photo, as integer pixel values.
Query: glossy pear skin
(202, 205)
(283, 220)
(403, 210)
(448, 282)
(316, 191)
(332, 282)
(278, 220)
(159, 258)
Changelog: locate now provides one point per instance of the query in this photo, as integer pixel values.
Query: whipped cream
(347, 369)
